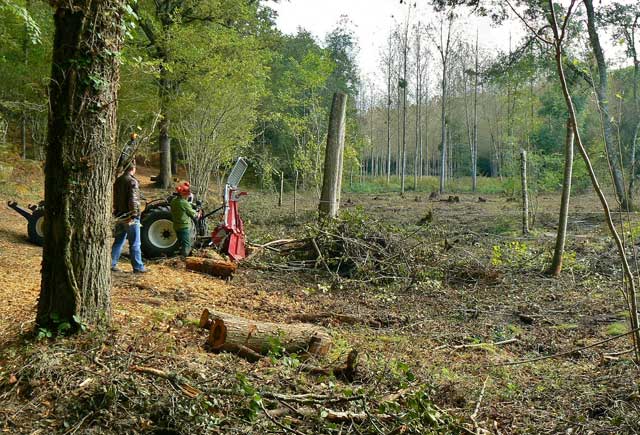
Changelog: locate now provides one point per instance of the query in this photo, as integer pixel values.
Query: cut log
(233, 334)
(219, 268)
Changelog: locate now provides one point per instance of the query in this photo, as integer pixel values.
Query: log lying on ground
(251, 338)
(220, 268)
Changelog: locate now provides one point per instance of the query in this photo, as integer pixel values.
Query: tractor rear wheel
(35, 227)
(157, 236)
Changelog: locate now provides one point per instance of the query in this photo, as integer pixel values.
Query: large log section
(239, 335)
(220, 268)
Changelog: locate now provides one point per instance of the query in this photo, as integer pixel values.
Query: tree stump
(220, 268)
(235, 334)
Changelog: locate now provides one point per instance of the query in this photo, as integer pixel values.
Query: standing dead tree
(331, 182)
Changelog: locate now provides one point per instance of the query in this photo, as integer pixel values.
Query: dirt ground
(484, 304)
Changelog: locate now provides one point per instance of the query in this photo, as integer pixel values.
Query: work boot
(140, 271)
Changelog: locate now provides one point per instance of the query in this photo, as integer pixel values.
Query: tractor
(157, 237)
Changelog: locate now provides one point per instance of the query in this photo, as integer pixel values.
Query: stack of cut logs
(252, 339)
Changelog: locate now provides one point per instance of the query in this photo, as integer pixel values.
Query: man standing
(126, 208)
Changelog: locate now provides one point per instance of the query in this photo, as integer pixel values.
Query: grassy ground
(466, 282)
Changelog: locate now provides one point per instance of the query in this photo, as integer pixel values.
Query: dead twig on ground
(569, 352)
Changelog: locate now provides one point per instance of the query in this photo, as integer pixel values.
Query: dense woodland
(222, 78)
(481, 276)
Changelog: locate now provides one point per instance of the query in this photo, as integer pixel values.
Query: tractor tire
(35, 227)
(157, 237)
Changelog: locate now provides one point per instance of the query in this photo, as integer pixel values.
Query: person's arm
(134, 199)
(188, 209)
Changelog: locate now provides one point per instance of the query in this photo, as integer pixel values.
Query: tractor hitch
(21, 211)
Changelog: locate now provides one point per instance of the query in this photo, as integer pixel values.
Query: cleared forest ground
(435, 355)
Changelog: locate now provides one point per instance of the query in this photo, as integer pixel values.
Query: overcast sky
(372, 20)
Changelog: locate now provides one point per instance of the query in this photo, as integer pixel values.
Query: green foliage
(511, 254)
(59, 326)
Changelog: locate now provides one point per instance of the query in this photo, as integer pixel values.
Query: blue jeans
(129, 231)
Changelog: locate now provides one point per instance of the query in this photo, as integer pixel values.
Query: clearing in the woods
(435, 346)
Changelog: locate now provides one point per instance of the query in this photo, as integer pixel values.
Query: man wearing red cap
(182, 214)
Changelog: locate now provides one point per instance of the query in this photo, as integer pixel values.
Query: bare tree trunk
(389, 120)
(25, 60)
(525, 192)
(443, 130)
(404, 117)
(281, 190)
(636, 103)
(329, 204)
(474, 151)
(630, 293)
(76, 279)
(418, 133)
(602, 95)
(295, 196)
(164, 178)
(556, 263)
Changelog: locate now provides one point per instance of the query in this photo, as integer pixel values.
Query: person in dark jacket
(126, 209)
(182, 214)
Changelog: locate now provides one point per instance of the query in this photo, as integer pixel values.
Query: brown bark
(85, 72)
(219, 268)
(228, 332)
(164, 177)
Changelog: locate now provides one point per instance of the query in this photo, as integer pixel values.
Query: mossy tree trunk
(76, 281)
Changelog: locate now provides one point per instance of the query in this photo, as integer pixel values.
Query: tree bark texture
(329, 204)
(219, 268)
(525, 192)
(602, 95)
(85, 72)
(556, 263)
(474, 151)
(229, 333)
(164, 179)
(443, 129)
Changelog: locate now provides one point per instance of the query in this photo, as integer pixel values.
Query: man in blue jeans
(126, 208)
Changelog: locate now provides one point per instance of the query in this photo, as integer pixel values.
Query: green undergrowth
(486, 185)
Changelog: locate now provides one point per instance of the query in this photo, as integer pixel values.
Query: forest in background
(217, 79)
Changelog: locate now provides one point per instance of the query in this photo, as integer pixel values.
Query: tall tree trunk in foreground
(329, 200)
(602, 90)
(629, 291)
(561, 237)
(78, 170)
